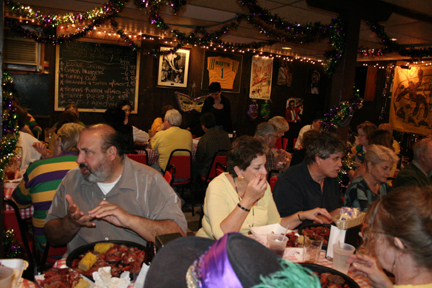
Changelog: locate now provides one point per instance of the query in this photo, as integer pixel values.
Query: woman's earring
(240, 178)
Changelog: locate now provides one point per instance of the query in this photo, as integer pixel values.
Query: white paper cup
(6, 274)
(341, 253)
(277, 243)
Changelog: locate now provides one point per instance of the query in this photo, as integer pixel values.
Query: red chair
(140, 158)
(183, 164)
(282, 143)
(170, 174)
(219, 157)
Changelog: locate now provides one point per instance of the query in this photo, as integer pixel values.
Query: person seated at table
(281, 125)
(44, 176)
(111, 197)
(159, 121)
(212, 141)
(378, 137)
(26, 140)
(241, 198)
(312, 183)
(298, 155)
(316, 125)
(71, 108)
(276, 159)
(398, 238)
(370, 187)
(395, 145)
(246, 263)
(364, 132)
(220, 107)
(114, 117)
(138, 134)
(173, 137)
(66, 117)
(417, 173)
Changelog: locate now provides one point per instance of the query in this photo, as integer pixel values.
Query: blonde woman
(364, 190)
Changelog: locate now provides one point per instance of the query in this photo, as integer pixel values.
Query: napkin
(336, 235)
(139, 282)
(104, 279)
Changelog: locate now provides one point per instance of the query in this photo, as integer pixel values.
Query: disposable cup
(6, 275)
(277, 243)
(312, 250)
(341, 253)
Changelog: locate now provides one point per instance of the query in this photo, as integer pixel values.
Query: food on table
(82, 284)
(60, 278)
(103, 247)
(87, 261)
(292, 239)
(317, 232)
(329, 280)
(120, 257)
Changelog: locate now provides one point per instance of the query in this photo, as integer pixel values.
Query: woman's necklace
(253, 207)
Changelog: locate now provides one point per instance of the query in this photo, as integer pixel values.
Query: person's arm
(139, 135)
(43, 150)
(146, 228)
(318, 215)
(366, 266)
(21, 195)
(61, 231)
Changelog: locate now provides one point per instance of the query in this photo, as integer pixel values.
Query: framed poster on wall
(173, 68)
(261, 78)
(223, 68)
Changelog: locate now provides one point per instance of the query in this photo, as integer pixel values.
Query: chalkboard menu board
(95, 76)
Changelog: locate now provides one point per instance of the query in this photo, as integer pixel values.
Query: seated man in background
(418, 172)
(44, 176)
(111, 197)
(212, 141)
(276, 158)
(312, 183)
(316, 125)
(173, 137)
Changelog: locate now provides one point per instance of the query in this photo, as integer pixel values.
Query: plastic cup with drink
(277, 243)
(312, 250)
(341, 253)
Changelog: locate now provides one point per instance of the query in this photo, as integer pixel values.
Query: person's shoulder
(293, 172)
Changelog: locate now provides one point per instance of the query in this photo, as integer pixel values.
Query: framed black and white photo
(173, 68)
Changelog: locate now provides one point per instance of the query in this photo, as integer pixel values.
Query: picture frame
(224, 68)
(173, 69)
(261, 78)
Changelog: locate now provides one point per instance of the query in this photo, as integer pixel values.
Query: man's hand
(111, 213)
(76, 216)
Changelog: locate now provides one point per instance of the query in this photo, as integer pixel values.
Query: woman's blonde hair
(376, 154)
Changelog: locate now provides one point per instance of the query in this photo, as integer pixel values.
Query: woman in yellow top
(399, 235)
(241, 198)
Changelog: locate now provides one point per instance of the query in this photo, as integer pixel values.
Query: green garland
(10, 124)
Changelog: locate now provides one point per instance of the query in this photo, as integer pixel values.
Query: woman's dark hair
(67, 117)
(323, 145)
(123, 103)
(405, 213)
(208, 120)
(215, 87)
(383, 138)
(368, 128)
(243, 150)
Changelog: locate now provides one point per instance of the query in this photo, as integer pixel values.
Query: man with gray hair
(312, 183)
(277, 159)
(44, 176)
(418, 172)
(173, 137)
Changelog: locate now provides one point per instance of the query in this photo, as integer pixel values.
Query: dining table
(363, 282)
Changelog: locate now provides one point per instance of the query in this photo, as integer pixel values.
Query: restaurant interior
(348, 49)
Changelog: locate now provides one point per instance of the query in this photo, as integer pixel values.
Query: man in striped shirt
(42, 178)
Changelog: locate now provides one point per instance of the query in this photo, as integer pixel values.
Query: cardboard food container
(18, 266)
(346, 224)
(260, 233)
